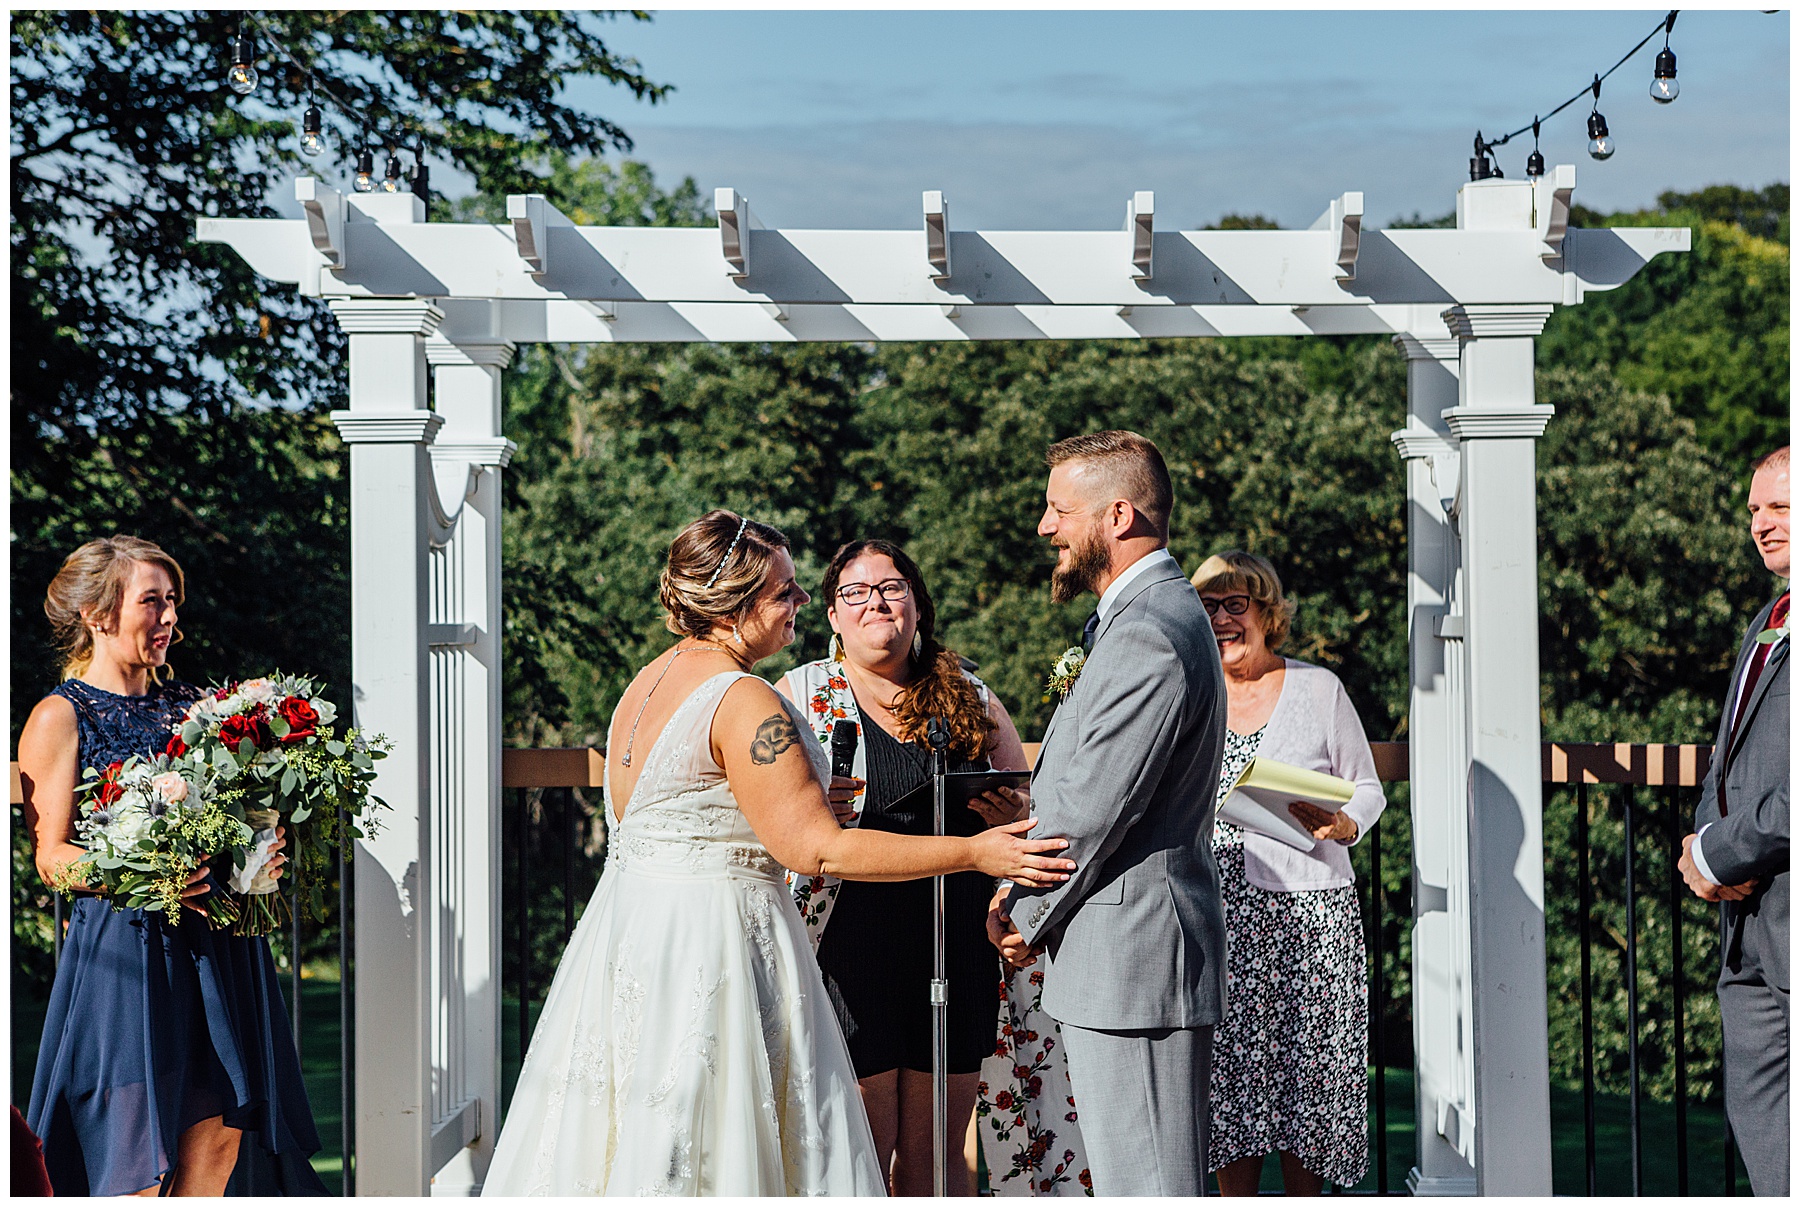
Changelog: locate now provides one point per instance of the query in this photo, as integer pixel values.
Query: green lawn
(319, 1061)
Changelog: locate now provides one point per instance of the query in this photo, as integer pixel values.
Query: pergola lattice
(433, 312)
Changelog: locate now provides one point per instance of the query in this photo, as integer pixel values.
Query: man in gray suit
(1739, 856)
(1135, 939)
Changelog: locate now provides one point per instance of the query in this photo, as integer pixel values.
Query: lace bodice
(112, 728)
(682, 819)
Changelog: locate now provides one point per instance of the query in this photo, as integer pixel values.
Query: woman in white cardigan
(1289, 1070)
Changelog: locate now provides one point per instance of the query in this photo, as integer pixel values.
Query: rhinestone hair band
(742, 524)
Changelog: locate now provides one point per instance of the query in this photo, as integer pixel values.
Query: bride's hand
(1004, 852)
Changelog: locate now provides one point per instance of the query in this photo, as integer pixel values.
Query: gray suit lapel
(1777, 658)
(1167, 572)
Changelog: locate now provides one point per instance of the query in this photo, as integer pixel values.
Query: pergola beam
(991, 268)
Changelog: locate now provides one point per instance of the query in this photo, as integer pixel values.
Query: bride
(686, 1045)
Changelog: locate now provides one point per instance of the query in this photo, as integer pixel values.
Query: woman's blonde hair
(90, 587)
(715, 569)
(1234, 571)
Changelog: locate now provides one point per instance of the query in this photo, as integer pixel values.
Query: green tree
(157, 387)
(1708, 329)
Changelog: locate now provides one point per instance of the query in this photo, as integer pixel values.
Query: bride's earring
(918, 645)
(837, 648)
(737, 636)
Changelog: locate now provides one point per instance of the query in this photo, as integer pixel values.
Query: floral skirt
(1290, 1070)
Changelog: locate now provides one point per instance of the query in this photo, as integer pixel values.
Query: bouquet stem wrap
(265, 909)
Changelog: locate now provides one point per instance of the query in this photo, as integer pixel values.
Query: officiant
(887, 674)
(1289, 1071)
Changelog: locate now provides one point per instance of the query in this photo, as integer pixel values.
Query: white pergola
(433, 312)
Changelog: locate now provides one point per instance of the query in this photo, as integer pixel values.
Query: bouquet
(272, 744)
(147, 823)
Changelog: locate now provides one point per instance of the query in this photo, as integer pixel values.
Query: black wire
(1664, 27)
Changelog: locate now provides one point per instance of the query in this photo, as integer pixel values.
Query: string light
(1663, 87)
(1601, 143)
(312, 137)
(313, 140)
(1534, 163)
(241, 77)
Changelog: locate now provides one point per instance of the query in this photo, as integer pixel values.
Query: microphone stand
(937, 736)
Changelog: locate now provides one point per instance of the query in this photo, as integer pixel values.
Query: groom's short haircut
(1129, 468)
(1775, 459)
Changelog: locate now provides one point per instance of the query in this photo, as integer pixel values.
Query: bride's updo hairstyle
(90, 587)
(716, 568)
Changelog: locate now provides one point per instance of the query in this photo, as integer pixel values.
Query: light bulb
(242, 76)
(365, 173)
(312, 137)
(1600, 142)
(1664, 87)
(1534, 163)
(391, 178)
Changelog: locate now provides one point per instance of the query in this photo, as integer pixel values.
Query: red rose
(176, 747)
(301, 717)
(224, 693)
(109, 792)
(236, 729)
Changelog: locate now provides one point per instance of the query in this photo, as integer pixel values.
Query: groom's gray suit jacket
(1128, 773)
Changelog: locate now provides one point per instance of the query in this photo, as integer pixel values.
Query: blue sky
(1033, 119)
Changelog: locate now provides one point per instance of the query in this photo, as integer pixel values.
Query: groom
(1134, 940)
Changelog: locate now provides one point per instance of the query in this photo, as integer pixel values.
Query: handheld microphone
(843, 747)
(937, 734)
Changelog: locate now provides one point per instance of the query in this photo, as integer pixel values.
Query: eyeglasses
(857, 594)
(1236, 605)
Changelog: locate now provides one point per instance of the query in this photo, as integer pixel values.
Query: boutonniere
(1771, 636)
(1064, 672)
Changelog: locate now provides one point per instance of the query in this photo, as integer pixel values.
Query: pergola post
(389, 429)
(1443, 1059)
(1497, 421)
(464, 641)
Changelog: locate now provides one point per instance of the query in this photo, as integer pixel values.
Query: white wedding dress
(686, 1045)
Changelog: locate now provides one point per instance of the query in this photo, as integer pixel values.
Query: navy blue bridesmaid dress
(154, 1026)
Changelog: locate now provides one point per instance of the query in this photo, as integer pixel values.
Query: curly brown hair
(938, 688)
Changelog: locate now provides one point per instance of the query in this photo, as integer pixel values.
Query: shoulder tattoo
(773, 737)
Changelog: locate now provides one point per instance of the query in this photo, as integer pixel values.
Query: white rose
(173, 788)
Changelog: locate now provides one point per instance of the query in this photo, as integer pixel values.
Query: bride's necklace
(631, 738)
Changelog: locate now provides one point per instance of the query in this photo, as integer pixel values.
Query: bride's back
(650, 702)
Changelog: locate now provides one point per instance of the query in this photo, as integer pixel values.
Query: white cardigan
(1315, 726)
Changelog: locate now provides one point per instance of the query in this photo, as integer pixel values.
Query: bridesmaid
(164, 1042)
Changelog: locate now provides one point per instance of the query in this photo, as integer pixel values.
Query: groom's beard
(1087, 562)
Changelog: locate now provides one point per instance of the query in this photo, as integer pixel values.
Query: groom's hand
(1005, 936)
(1703, 888)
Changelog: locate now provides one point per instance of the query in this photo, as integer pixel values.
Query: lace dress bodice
(682, 819)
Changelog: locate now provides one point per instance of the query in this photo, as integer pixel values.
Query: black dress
(153, 1026)
(876, 955)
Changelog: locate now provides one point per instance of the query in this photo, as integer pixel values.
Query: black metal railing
(1641, 796)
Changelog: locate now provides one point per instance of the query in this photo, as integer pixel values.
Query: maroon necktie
(1758, 660)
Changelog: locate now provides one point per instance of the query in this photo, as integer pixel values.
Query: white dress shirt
(1109, 598)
